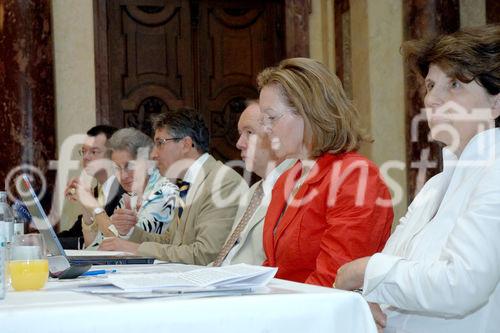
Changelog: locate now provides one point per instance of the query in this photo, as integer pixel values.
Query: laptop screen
(54, 247)
(40, 219)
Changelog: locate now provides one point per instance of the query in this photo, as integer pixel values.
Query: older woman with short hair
(440, 270)
(149, 201)
(332, 206)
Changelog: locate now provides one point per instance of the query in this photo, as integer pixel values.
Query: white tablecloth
(285, 307)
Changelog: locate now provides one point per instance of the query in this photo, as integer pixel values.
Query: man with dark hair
(209, 194)
(106, 130)
(108, 192)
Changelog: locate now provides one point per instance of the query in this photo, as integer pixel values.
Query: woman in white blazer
(440, 269)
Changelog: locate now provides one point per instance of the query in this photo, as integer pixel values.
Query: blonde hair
(313, 92)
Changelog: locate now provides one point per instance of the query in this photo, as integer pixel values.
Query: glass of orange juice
(28, 265)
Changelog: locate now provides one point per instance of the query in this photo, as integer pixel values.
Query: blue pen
(99, 272)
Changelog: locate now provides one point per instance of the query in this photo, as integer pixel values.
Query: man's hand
(379, 316)
(70, 190)
(351, 275)
(118, 244)
(124, 220)
(77, 191)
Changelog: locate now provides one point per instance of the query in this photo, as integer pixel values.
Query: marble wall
(297, 28)
(27, 117)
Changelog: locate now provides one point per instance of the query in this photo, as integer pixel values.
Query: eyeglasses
(160, 142)
(269, 121)
(128, 168)
(92, 152)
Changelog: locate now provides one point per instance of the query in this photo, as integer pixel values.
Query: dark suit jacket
(73, 237)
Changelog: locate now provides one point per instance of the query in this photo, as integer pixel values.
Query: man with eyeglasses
(209, 194)
(107, 191)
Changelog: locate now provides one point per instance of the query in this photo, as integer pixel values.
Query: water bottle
(3, 263)
(22, 217)
(18, 221)
(6, 218)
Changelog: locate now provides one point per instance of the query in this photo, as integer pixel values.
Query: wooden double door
(157, 55)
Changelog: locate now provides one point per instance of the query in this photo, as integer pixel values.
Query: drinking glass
(28, 265)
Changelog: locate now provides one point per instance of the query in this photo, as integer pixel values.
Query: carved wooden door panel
(164, 54)
(150, 64)
(236, 40)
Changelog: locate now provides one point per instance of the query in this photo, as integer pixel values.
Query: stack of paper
(235, 278)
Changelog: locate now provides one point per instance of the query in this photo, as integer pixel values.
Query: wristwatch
(97, 211)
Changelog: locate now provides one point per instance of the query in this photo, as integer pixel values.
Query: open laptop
(58, 260)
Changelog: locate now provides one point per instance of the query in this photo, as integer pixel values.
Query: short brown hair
(316, 94)
(469, 54)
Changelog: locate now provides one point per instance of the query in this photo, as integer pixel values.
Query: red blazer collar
(322, 165)
(281, 192)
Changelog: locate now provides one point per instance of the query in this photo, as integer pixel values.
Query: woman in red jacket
(332, 206)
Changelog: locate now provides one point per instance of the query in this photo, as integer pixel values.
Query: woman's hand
(118, 244)
(124, 220)
(350, 276)
(379, 316)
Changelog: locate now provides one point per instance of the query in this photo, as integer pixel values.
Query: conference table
(281, 306)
